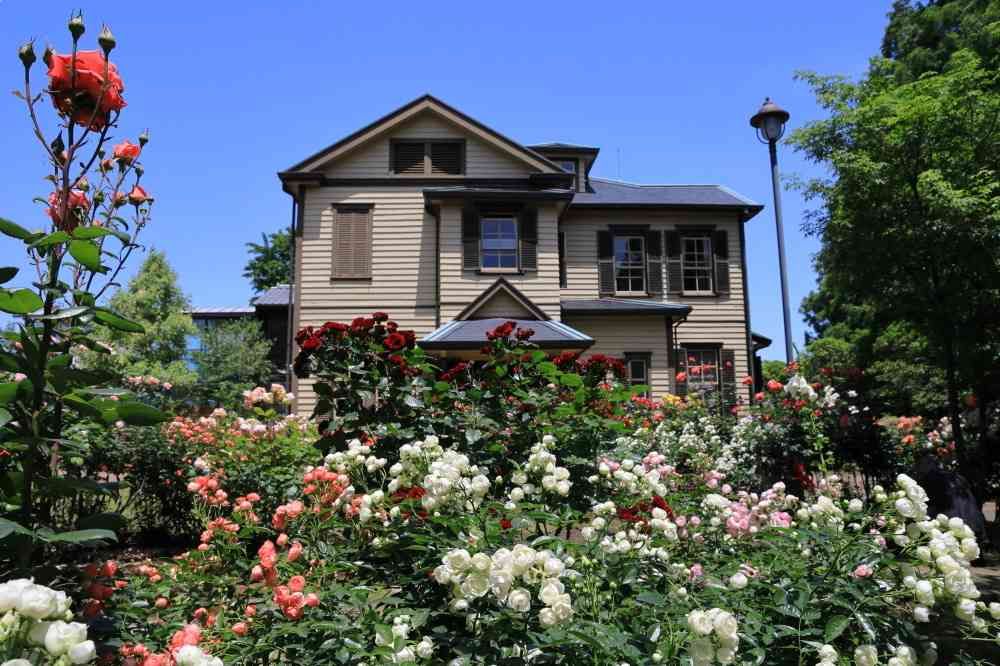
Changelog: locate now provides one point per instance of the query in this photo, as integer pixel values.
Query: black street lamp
(769, 122)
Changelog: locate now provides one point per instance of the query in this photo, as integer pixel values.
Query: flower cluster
(714, 637)
(540, 474)
(508, 574)
(357, 456)
(33, 622)
(443, 478)
(260, 396)
(397, 639)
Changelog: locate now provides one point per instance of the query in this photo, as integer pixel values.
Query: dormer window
(418, 157)
(570, 166)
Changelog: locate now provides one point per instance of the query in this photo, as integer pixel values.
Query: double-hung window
(702, 368)
(630, 265)
(499, 242)
(570, 166)
(637, 368)
(697, 264)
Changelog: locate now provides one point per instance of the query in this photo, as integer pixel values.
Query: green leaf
(7, 274)
(138, 414)
(571, 380)
(82, 536)
(835, 627)
(8, 391)
(55, 238)
(116, 321)
(113, 522)
(87, 253)
(88, 233)
(68, 313)
(8, 527)
(14, 230)
(19, 302)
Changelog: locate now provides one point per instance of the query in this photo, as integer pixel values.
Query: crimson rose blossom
(85, 94)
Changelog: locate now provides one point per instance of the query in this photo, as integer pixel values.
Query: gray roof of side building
(277, 295)
(622, 306)
(218, 313)
(471, 334)
(559, 145)
(616, 193)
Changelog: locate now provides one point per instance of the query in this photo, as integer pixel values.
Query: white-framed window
(498, 242)
(702, 369)
(696, 264)
(630, 264)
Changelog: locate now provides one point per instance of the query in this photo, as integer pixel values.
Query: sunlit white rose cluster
(358, 456)
(34, 626)
(447, 477)
(404, 649)
(630, 478)
(514, 577)
(540, 475)
(714, 637)
(694, 446)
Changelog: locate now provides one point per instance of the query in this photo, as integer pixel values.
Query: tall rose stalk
(94, 185)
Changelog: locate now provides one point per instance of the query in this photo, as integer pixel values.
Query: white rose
(866, 655)
(921, 614)
(82, 653)
(855, 506)
(700, 622)
(458, 560)
(61, 636)
(189, 655)
(725, 625)
(425, 648)
(738, 581)
(475, 585)
(702, 650)
(481, 562)
(554, 566)
(403, 656)
(17, 662)
(550, 591)
(547, 617)
(38, 602)
(519, 600)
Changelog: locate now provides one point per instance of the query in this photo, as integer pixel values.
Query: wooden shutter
(654, 263)
(720, 247)
(408, 157)
(562, 260)
(528, 237)
(605, 263)
(470, 239)
(680, 365)
(352, 242)
(727, 374)
(447, 157)
(675, 272)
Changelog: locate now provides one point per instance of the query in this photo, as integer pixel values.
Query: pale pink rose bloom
(863, 571)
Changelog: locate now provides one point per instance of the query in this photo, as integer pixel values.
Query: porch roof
(622, 306)
(471, 334)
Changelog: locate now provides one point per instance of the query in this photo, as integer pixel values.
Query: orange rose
(86, 93)
(77, 206)
(126, 152)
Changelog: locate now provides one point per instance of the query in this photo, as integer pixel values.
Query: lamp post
(769, 122)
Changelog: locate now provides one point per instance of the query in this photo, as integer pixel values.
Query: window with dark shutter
(352, 242)
(730, 393)
(408, 157)
(424, 157)
(675, 271)
(470, 239)
(605, 263)
(720, 244)
(562, 260)
(529, 239)
(654, 263)
(447, 157)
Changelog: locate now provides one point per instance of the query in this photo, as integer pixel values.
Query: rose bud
(83, 184)
(240, 628)
(106, 40)
(106, 165)
(138, 196)
(126, 152)
(119, 198)
(27, 54)
(162, 602)
(144, 138)
(76, 26)
(47, 55)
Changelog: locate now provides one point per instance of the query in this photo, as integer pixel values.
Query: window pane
(499, 242)
(569, 166)
(696, 263)
(630, 264)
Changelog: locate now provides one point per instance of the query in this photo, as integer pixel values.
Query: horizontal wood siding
(482, 160)
(501, 304)
(718, 319)
(616, 335)
(460, 287)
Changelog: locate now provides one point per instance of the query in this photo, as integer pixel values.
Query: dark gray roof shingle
(622, 306)
(277, 295)
(618, 193)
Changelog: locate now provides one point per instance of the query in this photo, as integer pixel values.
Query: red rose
(361, 325)
(312, 343)
(681, 377)
(774, 385)
(380, 316)
(77, 205)
(410, 336)
(748, 381)
(505, 524)
(85, 94)
(334, 327)
(391, 326)
(501, 332)
(394, 341)
(138, 196)
(126, 151)
(524, 333)
(303, 334)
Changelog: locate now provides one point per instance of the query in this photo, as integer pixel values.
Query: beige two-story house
(452, 227)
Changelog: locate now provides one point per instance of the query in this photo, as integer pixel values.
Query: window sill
(698, 294)
(351, 279)
(631, 294)
(500, 271)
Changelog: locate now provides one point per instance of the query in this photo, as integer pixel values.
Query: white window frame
(705, 284)
(696, 359)
(643, 358)
(483, 251)
(640, 265)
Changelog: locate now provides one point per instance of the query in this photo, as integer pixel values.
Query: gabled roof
(619, 194)
(501, 285)
(560, 146)
(404, 113)
(471, 334)
(622, 306)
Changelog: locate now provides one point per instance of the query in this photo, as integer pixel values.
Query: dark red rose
(87, 95)
(454, 371)
(303, 334)
(505, 524)
(501, 332)
(312, 343)
(399, 361)
(524, 333)
(380, 316)
(391, 326)
(411, 337)
(394, 341)
(361, 325)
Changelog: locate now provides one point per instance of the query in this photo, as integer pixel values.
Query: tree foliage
(233, 358)
(910, 256)
(154, 299)
(270, 262)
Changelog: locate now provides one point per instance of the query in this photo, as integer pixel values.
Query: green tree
(233, 357)
(908, 218)
(270, 262)
(154, 299)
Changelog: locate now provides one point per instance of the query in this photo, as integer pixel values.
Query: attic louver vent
(408, 157)
(446, 158)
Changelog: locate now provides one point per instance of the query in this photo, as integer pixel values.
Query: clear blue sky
(233, 92)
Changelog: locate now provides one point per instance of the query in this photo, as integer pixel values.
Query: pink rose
(863, 571)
